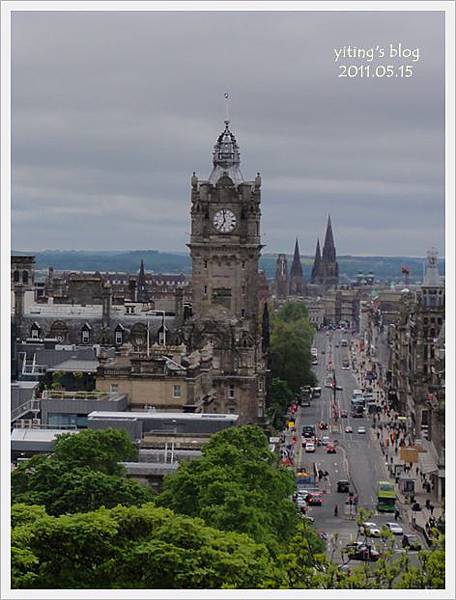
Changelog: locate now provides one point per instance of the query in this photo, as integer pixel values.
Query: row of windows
(17, 276)
(86, 337)
(177, 389)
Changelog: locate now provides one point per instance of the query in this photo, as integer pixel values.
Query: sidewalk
(388, 432)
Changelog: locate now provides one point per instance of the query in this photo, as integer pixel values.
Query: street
(357, 458)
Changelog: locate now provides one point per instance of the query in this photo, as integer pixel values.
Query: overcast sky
(113, 111)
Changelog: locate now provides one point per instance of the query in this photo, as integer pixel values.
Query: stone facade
(23, 271)
(166, 379)
(225, 247)
(413, 323)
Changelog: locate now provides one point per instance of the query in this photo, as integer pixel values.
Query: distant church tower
(281, 277)
(326, 270)
(316, 265)
(296, 275)
(142, 294)
(225, 247)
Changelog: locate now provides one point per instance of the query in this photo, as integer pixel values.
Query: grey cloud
(113, 111)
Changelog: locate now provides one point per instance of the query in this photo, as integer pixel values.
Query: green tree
(49, 483)
(280, 398)
(82, 474)
(237, 485)
(139, 547)
(95, 449)
(290, 353)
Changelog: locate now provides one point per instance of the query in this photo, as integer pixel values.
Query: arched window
(25, 276)
(16, 276)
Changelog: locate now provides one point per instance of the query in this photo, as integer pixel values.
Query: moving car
(331, 449)
(323, 425)
(343, 486)
(370, 529)
(345, 365)
(395, 528)
(411, 541)
(362, 551)
(314, 499)
(344, 414)
(310, 447)
(361, 430)
(325, 440)
(349, 429)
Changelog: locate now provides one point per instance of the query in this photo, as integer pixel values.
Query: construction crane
(406, 272)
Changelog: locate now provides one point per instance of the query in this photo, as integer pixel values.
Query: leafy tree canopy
(62, 483)
(137, 547)
(236, 485)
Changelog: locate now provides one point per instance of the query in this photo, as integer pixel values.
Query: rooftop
(164, 416)
(76, 365)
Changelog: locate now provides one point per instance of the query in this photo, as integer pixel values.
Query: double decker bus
(386, 496)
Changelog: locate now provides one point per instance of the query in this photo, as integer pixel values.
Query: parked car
(370, 529)
(395, 528)
(361, 430)
(344, 414)
(330, 449)
(411, 541)
(343, 486)
(348, 429)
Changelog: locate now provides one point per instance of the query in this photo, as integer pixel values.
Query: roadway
(357, 459)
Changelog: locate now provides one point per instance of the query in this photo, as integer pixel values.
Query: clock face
(224, 220)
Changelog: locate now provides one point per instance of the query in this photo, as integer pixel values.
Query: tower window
(231, 392)
(243, 312)
(85, 336)
(243, 264)
(177, 391)
(205, 264)
(119, 338)
(205, 289)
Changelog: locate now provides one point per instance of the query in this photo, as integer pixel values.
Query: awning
(427, 463)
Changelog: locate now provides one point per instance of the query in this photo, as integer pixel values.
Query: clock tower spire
(225, 247)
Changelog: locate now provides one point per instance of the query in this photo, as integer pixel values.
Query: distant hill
(383, 267)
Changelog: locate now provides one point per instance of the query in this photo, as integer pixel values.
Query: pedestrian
(391, 460)
(418, 470)
(336, 511)
(431, 508)
(428, 487)
(396, 514)
(428, 503)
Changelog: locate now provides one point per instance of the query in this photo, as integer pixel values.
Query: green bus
(386, 496)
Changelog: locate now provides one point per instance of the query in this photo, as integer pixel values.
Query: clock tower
(225, 247)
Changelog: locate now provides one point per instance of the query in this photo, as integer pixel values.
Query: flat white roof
(38, 435)
(25, 385)
(166, 416)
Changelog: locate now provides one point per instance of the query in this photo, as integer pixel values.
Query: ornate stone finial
(194, 180)
(258, 181)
